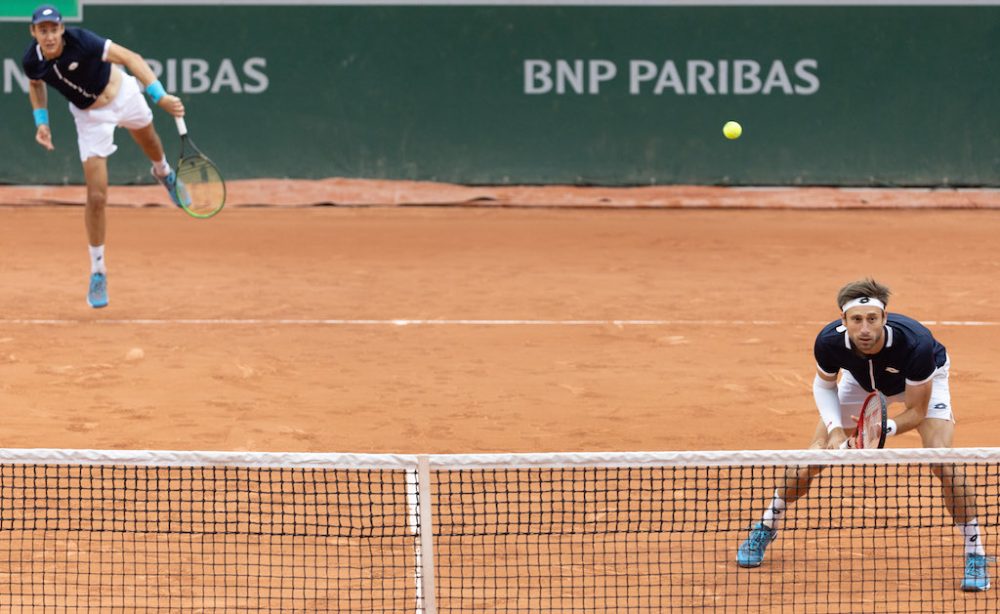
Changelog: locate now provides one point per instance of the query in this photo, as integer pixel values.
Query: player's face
(49, 36)
(865, 327)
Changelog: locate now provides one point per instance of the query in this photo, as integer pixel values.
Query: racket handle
(182, 128)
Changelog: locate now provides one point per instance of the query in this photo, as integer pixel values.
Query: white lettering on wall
(746, 77)
(13, 75)
(200, 76)
(254, 70)
(537, 77)
(741, 77)
(811, 80)
(194, 76)
(226, 77)
(600, 71)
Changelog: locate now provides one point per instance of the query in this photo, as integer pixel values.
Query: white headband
(868, 301)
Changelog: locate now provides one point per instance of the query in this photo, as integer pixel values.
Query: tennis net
(147, 531)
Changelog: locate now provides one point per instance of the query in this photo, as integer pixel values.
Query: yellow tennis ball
(732, 130)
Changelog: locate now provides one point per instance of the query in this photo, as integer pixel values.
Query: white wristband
(827, 402)
(890, 427)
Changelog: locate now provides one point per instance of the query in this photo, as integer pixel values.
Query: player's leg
(95, 135)
(95, 172)
(796, 480)
(960, 499)
(794, 484)
(149, 141)
(137, 118)
(937, 431)
(959, 496)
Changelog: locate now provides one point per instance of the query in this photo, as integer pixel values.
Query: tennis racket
(200, 187)
(872, 421)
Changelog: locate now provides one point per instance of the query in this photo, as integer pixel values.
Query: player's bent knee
(936, 433)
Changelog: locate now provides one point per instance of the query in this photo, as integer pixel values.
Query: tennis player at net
(80, 65)
(873, 349)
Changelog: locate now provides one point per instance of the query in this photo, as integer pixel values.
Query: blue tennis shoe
(175, 188)
(977, 575)
(97, 295)
(751, 552)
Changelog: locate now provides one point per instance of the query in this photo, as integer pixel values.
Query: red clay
(704, 377)
(467, 388)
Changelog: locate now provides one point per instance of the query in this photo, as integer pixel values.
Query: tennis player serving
(81, 66)
(876, 350)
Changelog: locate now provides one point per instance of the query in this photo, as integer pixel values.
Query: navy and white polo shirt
(82, 71)
(911, 355)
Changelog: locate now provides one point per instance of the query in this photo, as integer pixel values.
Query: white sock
(970, 537)
(97, 259)
(161, 168)
(774, 513)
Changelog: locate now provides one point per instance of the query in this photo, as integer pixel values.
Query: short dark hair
(861, 288)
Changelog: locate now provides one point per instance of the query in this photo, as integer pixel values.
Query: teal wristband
(156, 91)
(41, 117)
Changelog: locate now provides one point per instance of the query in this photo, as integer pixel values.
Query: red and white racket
(872, 422)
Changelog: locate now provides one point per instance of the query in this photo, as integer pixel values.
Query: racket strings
(871, 423)
(204, 187)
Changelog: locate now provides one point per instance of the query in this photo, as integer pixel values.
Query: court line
(430, 322)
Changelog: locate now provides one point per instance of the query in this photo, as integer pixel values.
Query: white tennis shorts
(95, 129)
(852, 395)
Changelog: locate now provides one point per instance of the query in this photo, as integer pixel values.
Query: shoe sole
(748, 565)
(975, 589)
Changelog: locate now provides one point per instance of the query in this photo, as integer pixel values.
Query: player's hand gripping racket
(200, 187)
(872, 422)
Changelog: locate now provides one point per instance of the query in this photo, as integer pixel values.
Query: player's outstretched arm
(39, 104)
(144, 73)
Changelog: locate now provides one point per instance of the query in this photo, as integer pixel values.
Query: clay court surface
(464, 329)
(258, 372)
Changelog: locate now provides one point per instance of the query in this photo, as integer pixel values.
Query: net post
(426, 534)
